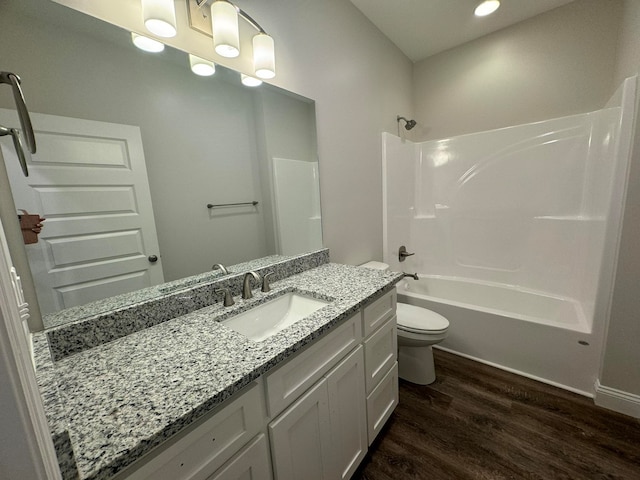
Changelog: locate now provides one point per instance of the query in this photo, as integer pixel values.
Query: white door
(89, 180)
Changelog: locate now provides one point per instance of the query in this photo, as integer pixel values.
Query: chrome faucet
(246, 284)
(412, 275)
(222, 268)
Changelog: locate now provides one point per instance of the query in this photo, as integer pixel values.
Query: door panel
(89, 180)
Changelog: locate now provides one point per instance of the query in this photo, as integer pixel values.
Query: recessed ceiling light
(487, 8)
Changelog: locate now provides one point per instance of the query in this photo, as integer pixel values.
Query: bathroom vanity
(190, 398)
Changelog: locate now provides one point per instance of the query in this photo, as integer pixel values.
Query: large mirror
(133, 147)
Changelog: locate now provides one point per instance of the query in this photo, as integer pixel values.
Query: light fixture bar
(226, 35)
(242, 13)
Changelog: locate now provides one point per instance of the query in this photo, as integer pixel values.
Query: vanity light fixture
(224, 25)
(159, 17)
(264, 61)
(249, 81)
(487, 8)
(226, 37)
(201, 67)
(147, 44)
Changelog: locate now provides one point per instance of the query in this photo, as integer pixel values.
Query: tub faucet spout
(412, 275)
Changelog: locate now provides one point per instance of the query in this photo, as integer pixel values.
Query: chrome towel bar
(211, 205)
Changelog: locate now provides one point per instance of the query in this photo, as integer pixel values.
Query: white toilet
(418, 330)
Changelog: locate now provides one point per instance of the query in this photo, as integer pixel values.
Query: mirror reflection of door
(89, 181)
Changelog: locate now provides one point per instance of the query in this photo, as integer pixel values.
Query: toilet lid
(420, 320)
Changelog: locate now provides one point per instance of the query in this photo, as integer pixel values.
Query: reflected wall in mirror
(107, 109)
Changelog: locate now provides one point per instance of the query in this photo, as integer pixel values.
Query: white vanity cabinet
(311, 417)
(323, 435)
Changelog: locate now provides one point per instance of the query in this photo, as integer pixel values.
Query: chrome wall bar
(211, 205)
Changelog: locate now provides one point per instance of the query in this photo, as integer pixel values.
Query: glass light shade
(201, 67)
(159, 17)
(264, 60)
(248, 81)
(147, 44)
(224, 25)
(487, 8)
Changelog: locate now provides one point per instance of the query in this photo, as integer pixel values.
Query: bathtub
(532, 333)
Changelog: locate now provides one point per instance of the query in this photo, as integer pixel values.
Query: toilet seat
(419, 320)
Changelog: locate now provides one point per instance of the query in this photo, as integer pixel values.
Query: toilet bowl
(418, 330)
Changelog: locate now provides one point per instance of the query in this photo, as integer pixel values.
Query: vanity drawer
(252, 462)
(378, 312)
(380, 353)
(381, 402)
(289, 381)
(204, 449)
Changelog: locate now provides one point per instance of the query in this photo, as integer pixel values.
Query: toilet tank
(376, 266)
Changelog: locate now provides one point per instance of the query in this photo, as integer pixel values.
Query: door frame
(20, 394)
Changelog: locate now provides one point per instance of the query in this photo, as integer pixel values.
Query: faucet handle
(266, 287)
(403, 254)
(228, 299)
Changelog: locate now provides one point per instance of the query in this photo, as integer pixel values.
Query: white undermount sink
(271, 317)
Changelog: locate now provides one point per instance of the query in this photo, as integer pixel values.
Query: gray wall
(558, 63)
(327, 50)
(621, 359)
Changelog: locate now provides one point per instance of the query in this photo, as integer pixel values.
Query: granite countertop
(109, 405)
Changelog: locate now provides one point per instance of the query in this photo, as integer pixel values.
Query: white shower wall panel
(521, 205)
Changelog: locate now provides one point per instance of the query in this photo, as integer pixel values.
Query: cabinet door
(348, 416)
(289, 381)
(250, 463)
(301, 438)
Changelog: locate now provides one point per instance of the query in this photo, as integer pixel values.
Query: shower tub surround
(515, 234)
(109, 405)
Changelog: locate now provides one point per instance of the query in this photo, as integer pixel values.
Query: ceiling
(421, 28)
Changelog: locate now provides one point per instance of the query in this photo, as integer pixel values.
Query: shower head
(409, 124)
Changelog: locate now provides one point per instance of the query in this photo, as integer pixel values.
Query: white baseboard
(517, 372)
(617, 400)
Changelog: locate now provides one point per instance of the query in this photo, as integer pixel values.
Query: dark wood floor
(478, 422)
